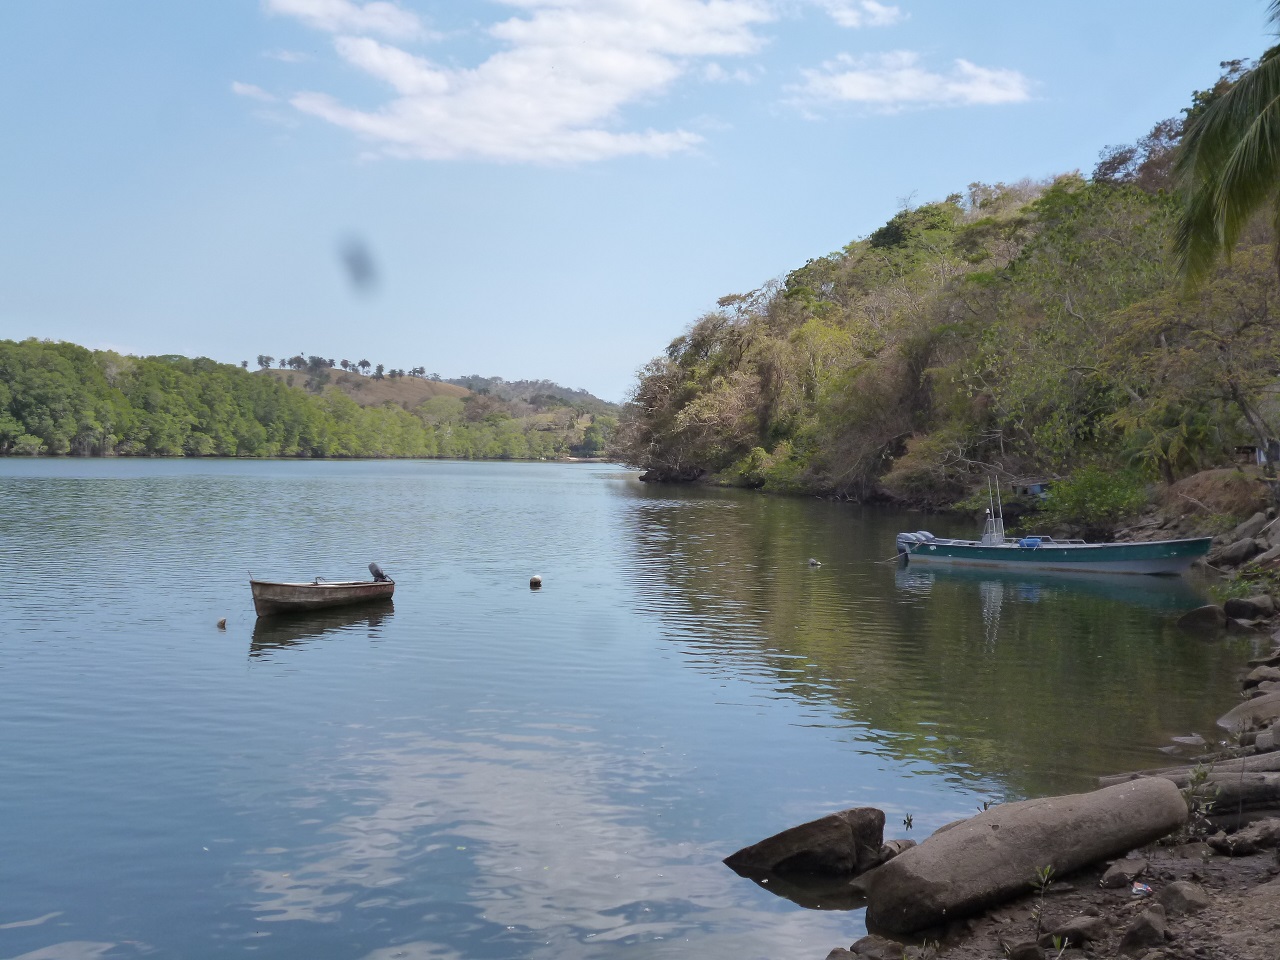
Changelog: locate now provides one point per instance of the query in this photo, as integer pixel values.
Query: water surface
(478, 770)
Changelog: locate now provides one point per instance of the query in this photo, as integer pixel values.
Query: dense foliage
(59, 398)
(1016, 330)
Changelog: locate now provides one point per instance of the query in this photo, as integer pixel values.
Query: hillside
(1018, 330)
(405, 392)
(62, 399)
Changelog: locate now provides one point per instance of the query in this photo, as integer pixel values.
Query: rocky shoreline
(1181, 863)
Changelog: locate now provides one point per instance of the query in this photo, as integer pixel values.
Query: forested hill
(1017, 329)
(60, 398)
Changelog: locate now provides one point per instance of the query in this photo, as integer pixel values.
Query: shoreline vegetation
(1029, 331)
(60, 399)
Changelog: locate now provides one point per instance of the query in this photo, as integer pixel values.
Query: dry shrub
(1231, 490)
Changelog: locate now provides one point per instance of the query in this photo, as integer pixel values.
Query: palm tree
(1229, 165)
(364, 366)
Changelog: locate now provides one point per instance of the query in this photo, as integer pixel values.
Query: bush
(1095, 499)
(28, 446)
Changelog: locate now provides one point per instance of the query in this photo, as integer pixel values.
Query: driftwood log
(996, 855)
(1261, 763)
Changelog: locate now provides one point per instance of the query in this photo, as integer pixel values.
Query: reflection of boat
(271, 598)
(273, 633)
(1048, 554)
(1030, 586)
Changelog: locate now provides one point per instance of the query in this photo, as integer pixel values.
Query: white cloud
(347, 16)
(897, 80)
(252, 92)
(555, 91)
(862, 13)
(286, 56)
(713, 72)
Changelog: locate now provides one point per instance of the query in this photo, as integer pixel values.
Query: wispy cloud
(347, 16)
(286, 56)
(251, 91)
(862, 13)
(555, 92)
(896, 80)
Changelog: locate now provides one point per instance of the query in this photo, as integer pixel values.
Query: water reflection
(1165, 594)
(272, 634)
(1034, 684)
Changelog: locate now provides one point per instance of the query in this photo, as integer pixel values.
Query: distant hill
(407, 392)
(540, 394)
(59, 398)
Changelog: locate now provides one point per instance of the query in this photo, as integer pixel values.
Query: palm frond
(1228, 166)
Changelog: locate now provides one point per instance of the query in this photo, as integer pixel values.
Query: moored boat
(282, 597)
(1046, 554)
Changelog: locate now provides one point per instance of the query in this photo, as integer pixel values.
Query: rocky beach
(1162, 864)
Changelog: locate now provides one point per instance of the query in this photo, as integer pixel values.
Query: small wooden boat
(272, 598)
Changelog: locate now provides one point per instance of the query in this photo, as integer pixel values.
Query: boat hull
(274, 598)
(1168, 557)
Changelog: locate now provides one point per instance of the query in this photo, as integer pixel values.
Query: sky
(523, 188)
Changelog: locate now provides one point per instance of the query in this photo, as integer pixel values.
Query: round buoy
(222, 624)
(535, 582)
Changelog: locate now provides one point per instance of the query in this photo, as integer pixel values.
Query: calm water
(481, 771)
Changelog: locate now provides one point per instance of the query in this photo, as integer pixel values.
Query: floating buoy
(222, 624)
(535, 582)
(814, 563)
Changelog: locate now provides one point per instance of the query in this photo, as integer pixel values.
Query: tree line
(62, 399)
(313, 365)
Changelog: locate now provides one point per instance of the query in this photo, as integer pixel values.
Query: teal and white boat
(1047, 554)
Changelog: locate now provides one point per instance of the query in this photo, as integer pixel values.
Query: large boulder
(1237, 553)
(840, 844)
(1249, 528)
(1250, 608)
(1259, 675)
(997, 854)
(1210, 617)
(1253, 714)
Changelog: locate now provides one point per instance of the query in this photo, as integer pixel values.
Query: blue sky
(544, 188)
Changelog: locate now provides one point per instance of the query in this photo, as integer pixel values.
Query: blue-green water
(483, 771)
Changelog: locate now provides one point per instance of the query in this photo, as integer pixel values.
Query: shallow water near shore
(483, 771)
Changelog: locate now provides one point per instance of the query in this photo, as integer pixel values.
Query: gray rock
(1250, 608)
(1025, 951)
(1259, 674)
(1260, 835)
(1183, 897)
(1148, 929)
(1249, 528)
(1123, 872)
(1203, 619)
(1077, 931)
(1266, 557)
(1266, 740)
(840, 953)
(841, 844)
(1238, 552)
(874, 947)
(1252, 714)
(1235, 625)
(995, 855)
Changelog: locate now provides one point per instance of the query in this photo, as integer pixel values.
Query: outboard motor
(378, 574)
